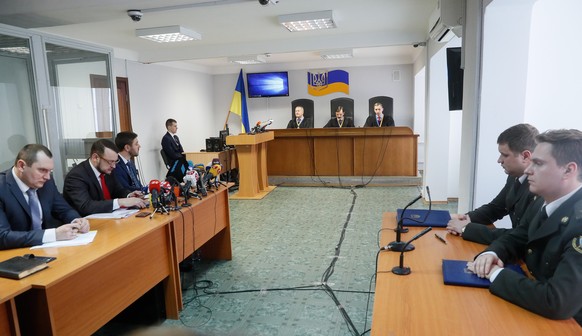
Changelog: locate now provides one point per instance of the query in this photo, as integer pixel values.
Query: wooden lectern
(251, 150)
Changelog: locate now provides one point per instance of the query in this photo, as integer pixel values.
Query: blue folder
(455, 273)
(415, 217)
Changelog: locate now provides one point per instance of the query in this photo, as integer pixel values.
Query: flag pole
(226, 121)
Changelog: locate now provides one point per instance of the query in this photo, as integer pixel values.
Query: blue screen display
(268, 84)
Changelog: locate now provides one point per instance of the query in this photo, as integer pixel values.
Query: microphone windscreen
(154, 185)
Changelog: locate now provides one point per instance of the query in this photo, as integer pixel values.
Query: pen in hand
(440, 238)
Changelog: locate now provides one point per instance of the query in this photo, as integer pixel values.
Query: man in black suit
(548, 239)
(174, 152)
(31, 208)
(515, 146)
(90, 188)
(125, 172)
(379, 119)
(300, 121)
(339, 120)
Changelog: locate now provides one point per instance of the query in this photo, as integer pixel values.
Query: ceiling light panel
(168, 34)
(308, 21)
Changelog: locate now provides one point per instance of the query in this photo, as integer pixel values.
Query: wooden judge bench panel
(421, 304)
(385, 151)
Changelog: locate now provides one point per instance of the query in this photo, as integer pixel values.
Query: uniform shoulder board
(578, 210)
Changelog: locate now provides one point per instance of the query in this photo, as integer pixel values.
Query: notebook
(455, 273)
(415, 217)
(20, 267)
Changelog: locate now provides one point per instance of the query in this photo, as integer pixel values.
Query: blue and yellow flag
(239, 103)
(326, 82)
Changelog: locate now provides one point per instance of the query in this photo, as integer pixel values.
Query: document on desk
(455, 273)
(82, 239)
(117, 214)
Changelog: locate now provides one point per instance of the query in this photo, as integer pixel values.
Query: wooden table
(9, 289)
(205, 225)
(89, 285)
(420, 304)
(369, 151)
(251, 151)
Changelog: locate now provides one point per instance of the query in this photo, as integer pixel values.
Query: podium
(251, 150)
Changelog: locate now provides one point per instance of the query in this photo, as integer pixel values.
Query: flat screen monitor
(268, 84)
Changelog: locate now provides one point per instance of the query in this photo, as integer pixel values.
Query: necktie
(379, 121)
(106, 194)
(176, 139)
(133, 174)
(34, 209)
(543, 216)
(516, 186)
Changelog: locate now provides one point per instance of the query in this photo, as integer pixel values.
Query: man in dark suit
(300, 120)
(174, 152)
(31, 208)
(125, 172)
(549, 240)
(90, 188)
(379, 119)
(515, 146)
(339, 120)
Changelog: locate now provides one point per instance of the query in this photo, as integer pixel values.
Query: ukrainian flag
(323, 83)
(239, 103)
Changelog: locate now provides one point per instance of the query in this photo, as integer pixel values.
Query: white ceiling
(376, 29)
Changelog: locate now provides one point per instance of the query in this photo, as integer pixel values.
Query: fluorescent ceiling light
(308, 21)
(168, 34)
(337, 54)
(248, 59)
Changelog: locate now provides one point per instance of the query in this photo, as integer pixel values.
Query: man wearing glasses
(90, 188)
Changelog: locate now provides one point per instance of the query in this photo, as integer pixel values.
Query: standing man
(515, 146)
(31, 208)
(172, 147)
(90, 188)
(300, 121)
(339, 120)
(125, 172)
(379, 119)
(549, 239)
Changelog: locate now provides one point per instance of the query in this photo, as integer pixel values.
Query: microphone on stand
(400, 269)
(264, 126)
(398, 244)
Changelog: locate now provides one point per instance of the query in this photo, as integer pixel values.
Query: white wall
(365, 82)
(160, 92)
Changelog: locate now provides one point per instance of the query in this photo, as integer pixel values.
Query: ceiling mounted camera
(266, 2)
(135, 14)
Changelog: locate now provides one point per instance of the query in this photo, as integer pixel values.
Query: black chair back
(346, 103)
(308, 109)
(387, 104)
(165, 158)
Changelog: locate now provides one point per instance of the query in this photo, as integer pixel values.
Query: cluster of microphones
(400, 246)
(261, 126)
(198, 180)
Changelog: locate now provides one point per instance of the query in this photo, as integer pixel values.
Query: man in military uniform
(548, 240)
(515, 146)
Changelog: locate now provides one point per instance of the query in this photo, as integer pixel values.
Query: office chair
(165, 159)
(387, 104)
(346, 103)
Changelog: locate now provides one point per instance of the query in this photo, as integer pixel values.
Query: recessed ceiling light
(168, 34)
(308, 21)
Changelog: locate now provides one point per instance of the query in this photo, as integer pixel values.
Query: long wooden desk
(420, 303)
(86, 286)
(370, 151)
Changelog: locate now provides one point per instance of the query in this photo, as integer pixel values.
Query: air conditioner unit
(446, 20)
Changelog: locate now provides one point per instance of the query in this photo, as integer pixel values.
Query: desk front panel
(420, 303)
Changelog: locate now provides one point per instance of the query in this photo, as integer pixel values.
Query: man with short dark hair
(32, 211)
(174, 151)
(548, 239)
(379, 119)
(90, 188)
(340, 119)
(125, 172)
(515, 146)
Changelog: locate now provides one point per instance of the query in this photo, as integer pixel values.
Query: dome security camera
(135, 14)
(264, 2)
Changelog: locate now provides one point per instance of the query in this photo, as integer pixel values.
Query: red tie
(379, 121)
(106, 193)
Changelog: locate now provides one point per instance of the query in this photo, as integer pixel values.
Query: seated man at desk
(300, 121)
(515, 146)
(339, 120)
(379, 119)
(90, 188)
(548, 238)
(31, 207)
(125, 172)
